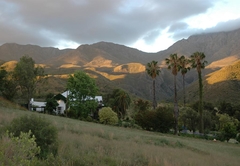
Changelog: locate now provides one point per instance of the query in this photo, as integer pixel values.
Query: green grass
(86, 143)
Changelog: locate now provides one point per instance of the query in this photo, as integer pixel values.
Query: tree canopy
(82, 91)
(27, 76)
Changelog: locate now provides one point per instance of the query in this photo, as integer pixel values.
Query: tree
(153, 71)
(122, 101)
(51, 103)
(3, 74)
(108, 116)
(82, 91)
(21, 150)
(28, 76)
(46, 133)
(173, 65)
(141, 105)
(184, 67)
(188, 118)
(8, 85)
(198, 62)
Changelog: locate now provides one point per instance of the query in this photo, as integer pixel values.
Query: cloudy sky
(148, 25)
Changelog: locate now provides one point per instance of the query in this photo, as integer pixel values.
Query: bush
(160, 120)
(44, 131)
(20, 150)
(238, 137)
(229, 131)
(108, 116)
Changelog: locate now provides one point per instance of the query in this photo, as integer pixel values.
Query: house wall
(61, 107)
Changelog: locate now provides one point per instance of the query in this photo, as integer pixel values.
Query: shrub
(108, 116)
(229, 131)
(160, 120)
(44, 131)
(238, 137)
(18, 150)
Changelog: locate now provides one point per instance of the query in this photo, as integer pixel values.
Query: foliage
(174, 66)
(198, 62)
(225, 107)
(229, 131)
(238, 137)
(119, 101)
(188, 118)
(28, 76)
(141, 105)
(21, 150)
(156, 120)
(153, 71)
(82, 91)
(43, 130)
(184, 65)
(227, 126)
(8, 85)
(108, 116)
(51, 105)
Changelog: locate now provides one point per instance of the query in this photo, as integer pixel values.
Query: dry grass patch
(85, 143)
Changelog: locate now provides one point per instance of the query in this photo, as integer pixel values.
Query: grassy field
(86, 143)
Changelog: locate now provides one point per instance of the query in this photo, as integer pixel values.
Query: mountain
(102, 54)
(216, 46)
(221, 85)
(118, 66)
(12, 51)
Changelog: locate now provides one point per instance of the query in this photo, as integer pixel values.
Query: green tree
(51, 104)
(160, 119)
(8, 85)
(3, 74)
(21, 150)
(122, 101)
(82, 91)
(153, 71)
(198, 62)
(225, 107)
(184, 67)
(141, 105)
(108, 116)
(188, 118)
(28, 76)
(45, 133)
(173, 65)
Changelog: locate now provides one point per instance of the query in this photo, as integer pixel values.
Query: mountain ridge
(124, 66)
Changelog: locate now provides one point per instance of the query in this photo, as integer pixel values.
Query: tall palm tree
(184, 67)
(198, 62)
(153, 71)
(173, 65)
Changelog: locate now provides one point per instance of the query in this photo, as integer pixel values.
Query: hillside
(115, 65)
(88, 143)
(221, 85)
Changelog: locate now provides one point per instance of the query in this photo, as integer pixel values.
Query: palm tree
(153, 71)
(198, 62)
(122, 101)
(173, 65)
(184, 67)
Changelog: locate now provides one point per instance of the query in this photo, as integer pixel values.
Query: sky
(148, 25)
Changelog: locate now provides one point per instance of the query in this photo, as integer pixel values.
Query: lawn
(87, 143)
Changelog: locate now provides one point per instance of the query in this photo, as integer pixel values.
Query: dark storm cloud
(47, 22)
